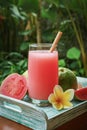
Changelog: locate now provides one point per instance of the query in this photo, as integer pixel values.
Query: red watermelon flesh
(81, 94)
(14, 85)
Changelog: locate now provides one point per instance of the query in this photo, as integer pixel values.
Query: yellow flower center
(59, 100)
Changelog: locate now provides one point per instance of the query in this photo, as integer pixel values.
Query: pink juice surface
(43, 73)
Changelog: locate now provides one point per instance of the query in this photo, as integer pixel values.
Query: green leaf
(62, 63)
(22, 63)
(73, 53)
(55, 2)
(81, 71)
(24, 46)
(26, 32)
(16, 12)
(6, 3)
(29, 5)
(14, 55)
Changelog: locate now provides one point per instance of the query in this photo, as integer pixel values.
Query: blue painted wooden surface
(40, 118)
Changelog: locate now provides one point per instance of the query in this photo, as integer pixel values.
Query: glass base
(42, 103)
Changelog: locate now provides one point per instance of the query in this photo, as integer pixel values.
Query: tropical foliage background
(23, 22)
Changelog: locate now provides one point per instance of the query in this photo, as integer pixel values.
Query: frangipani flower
(60, 99)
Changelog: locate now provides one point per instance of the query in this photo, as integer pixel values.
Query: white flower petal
(69, 94)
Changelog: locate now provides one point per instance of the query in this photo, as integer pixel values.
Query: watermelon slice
(81, 94)
(14, 86)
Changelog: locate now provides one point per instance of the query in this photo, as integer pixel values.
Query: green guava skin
(25, 74)
(67, 79)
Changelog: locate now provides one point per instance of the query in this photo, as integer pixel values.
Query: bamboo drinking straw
(55, 42)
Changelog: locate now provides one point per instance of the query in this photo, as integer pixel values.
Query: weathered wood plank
(40, 118)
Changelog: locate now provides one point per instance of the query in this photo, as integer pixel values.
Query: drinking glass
(42, 72)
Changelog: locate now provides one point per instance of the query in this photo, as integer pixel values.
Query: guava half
(81, 94)
(14, 85)
(67, 79)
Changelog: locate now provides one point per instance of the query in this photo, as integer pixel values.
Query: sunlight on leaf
(73, 53)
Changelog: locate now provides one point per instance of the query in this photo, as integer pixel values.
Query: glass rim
(40, 45)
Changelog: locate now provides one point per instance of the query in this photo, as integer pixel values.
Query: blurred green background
(23, 22)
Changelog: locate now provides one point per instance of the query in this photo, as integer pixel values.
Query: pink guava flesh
(81, 93)
(14, 85)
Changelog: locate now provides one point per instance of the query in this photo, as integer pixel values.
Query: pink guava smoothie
(43, 73)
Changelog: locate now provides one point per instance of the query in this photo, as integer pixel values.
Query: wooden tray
(40, 118)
